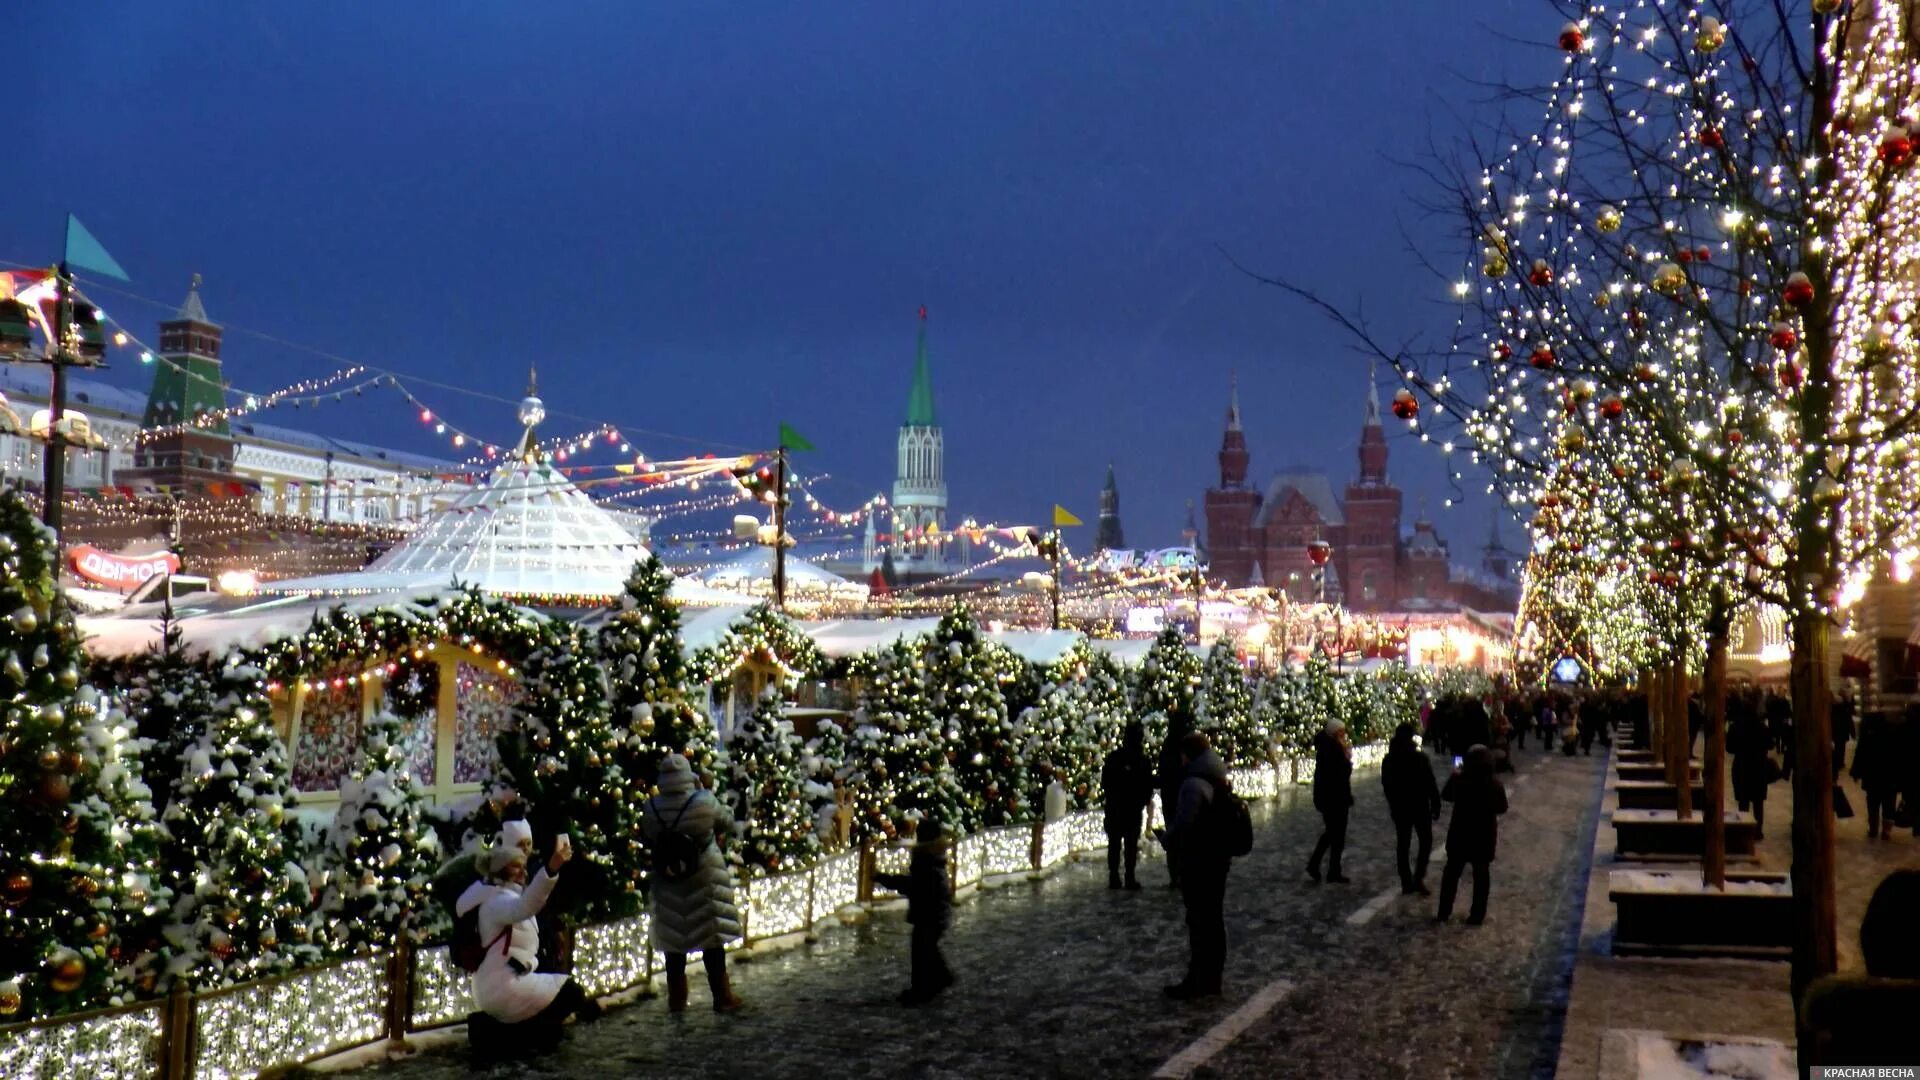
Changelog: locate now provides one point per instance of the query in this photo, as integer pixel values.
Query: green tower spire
(188, 383)
(920, 398)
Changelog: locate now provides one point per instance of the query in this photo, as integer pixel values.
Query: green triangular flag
(793, 440)
(86, 253)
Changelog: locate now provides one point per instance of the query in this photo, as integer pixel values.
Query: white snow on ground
(1658, 1057)
(1688, 882)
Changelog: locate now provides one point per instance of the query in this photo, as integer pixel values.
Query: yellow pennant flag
(1062, 517)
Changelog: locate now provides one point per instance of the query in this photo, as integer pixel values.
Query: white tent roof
(752, 571)
(219, 623)
(528, 531)
(850, 637)
(1038, 646)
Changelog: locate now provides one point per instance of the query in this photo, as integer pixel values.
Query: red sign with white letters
(122, 572)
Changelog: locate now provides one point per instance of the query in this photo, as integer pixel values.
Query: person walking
(1203, 868)
(1473, 834)
(1751, 748)
(524, 1007)
(929, 910)
(1333, 797)
(1843, 732)
(1413, 801)
(691, 889)
(1126, 780)
(1877, 765)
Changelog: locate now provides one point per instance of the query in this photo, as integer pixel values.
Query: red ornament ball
(1572, 38)
(1896, 147)
(1712, 139)
(1502, 351)
(1703, 254)
(1683, 255)
(1405, 405)
(1542, 356)
(1612, 407)
(1783, 337)
(1799, 290)
(1791, 376)
(1541, 275)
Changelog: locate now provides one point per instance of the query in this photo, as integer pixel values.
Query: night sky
(703, 219)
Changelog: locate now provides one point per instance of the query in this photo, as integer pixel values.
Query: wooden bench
(1647, 771)
(1673, 913)
(1661, 832)
(1654, 795)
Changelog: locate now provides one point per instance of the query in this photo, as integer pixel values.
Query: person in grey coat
(695, 911)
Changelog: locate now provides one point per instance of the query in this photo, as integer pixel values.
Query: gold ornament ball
(16, 888)
(10, 998)
(98, 931)
(85, 886)
(1826, 7)
(54, 789)
(71, 762)
(66, 971)
(69, 678)
(25, 621)
(1608, 218)
(49, 759)
(1712, 35)
(1495, 265)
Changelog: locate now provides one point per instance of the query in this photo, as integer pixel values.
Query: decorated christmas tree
(1168, 684)
(776, 827)
(167, 695)
(902, 745)
(231, 855)
(1224, 709)
(648, 677)
(381, 850)
(1079, 718)
(965, 675)
(826, 763)
(575, 770)
(76, 821)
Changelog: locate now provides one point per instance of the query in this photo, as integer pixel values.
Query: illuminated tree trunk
(1681, 762)
(1813, 903)
(1656, 714)
(1713, 867)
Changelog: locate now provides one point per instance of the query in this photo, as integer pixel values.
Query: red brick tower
(1231, 506)
(1369, 560)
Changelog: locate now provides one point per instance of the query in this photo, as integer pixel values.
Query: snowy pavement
(1062, 977)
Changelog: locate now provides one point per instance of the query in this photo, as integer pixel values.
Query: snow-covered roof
(212, 624)
(528, 531)
(751, 571)
(1038, 646)
(1130, 652)
(1314, 487)
(851, 637)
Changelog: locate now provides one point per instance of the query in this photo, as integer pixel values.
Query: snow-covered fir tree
(776, 827)
(1225, 708)
(968, 676)
(1078, 719)
(1168, 684)
(826, 763)
(902, 745)
(647, 675)
(231, 855)
(77, 835)
(381, 849)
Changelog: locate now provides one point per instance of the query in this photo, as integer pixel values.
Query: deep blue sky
(701, 219)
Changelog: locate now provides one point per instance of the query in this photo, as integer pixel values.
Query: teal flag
(85, 253)
(793, 440)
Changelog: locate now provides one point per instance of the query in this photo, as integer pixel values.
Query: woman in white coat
(694, 911)
(507, 986)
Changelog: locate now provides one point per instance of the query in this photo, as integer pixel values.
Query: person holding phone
(507, 986)
(1473, 834)
(1413, 801)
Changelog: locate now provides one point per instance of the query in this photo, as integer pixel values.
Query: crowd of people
(692, 905)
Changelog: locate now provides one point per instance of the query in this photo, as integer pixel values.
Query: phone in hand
(563, 847)
(1457, 760)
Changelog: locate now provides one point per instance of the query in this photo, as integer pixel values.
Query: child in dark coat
(929, 909)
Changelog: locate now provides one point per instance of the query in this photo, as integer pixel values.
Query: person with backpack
(929, 910)
(1413, 801)
(521, 1008)
(1126, 780)
(1333, 797)
(1208, 827)
(690, 887)
(1169, 774)
(1474, 833)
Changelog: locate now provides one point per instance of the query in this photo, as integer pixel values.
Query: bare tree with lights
(1699, 257)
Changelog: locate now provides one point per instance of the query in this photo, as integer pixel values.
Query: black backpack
(673, 855)
(466, 949)
(1229, 824)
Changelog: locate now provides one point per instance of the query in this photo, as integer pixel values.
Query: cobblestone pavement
(1062, 977)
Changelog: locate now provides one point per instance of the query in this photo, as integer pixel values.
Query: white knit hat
(516, 834)
(1335, 727)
